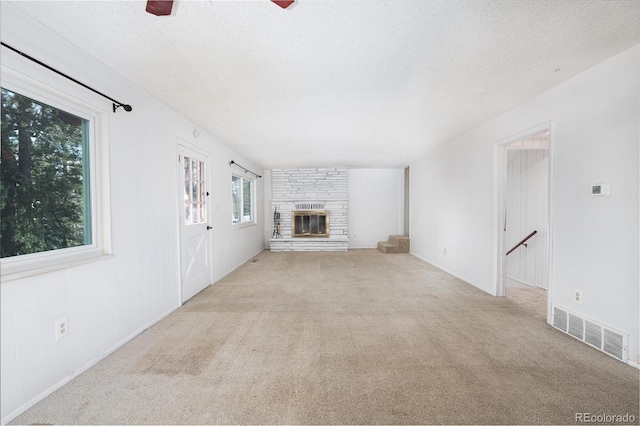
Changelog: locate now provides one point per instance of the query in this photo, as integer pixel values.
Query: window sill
(14, 270)
(244, 225)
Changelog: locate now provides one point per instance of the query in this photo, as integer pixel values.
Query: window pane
(186, 163)
(194, 191)
(44, 191)
(194, 169)
(195, 214)
(247, 212)
(202, 207)
(187, 213)
(235, 194)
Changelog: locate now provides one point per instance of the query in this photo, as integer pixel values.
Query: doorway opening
(524, 235)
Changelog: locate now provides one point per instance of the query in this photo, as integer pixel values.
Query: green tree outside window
(44, 178)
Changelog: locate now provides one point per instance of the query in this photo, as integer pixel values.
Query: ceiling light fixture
(159, 7)
(283, 3)
(164, 7)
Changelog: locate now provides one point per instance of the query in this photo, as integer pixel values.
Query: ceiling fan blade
(283, 3)
(159, 7)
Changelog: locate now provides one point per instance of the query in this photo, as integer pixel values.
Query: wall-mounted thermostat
(601, 189)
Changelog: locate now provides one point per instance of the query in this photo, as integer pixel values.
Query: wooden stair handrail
(524, 240)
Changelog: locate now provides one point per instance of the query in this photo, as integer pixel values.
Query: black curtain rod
(116, 104)
(231, 163)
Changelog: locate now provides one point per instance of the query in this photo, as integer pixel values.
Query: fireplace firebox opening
(310, 223)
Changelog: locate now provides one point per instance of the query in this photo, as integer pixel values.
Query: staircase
(396, 244)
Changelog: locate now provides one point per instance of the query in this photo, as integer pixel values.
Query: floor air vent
(576, 326)
(614, 344)
(560, 319)
(605, 339)
(593, 334)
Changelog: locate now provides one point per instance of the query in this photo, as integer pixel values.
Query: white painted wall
(108, 302)
(527, 211)
(375, 205)
(595, 138)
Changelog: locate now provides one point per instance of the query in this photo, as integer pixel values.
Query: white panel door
(195, 241)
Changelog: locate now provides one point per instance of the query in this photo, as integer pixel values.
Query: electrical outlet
(62, 328)
(577, 296)
(445, 250)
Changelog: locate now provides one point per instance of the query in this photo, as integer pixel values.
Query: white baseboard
(33, 401)
(524, 283)
(466, 280)
(238, 265)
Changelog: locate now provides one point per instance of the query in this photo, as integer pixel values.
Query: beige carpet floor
(529, 299)
(346, 338)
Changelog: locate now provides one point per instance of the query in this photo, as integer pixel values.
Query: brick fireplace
(313, 209)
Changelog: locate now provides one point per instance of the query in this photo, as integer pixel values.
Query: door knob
(209, 227)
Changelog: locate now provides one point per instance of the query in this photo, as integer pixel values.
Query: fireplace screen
(310, 223)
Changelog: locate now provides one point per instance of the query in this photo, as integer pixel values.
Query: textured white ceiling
(344, 83)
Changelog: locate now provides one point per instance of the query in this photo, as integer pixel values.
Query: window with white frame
(195, 201)
(48, 183)
(242, 193)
